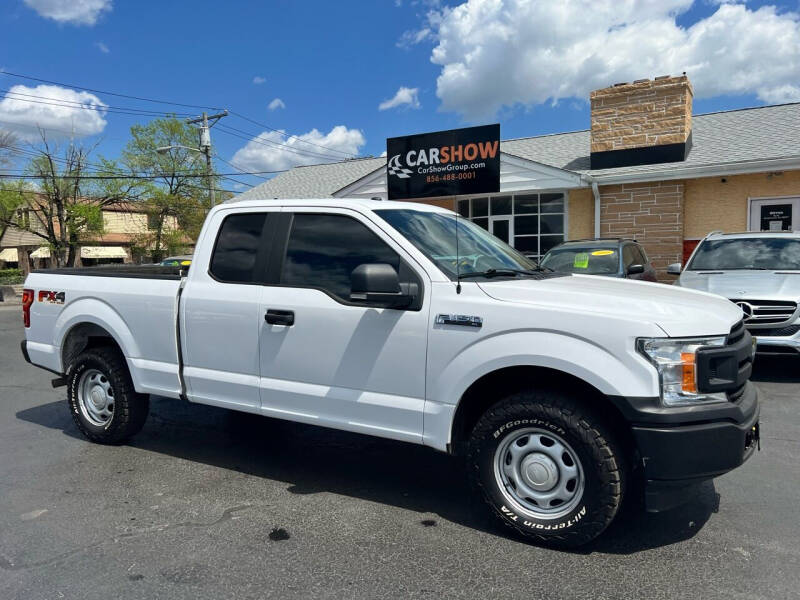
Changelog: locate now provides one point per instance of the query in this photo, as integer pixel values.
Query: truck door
(328, 360)
(220, 312)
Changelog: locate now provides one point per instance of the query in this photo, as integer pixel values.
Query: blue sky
(333, 63)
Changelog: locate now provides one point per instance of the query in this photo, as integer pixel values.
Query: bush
(11, 276)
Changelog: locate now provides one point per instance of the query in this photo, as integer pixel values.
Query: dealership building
(646, 169)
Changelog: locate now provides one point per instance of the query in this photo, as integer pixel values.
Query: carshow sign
(444, 163)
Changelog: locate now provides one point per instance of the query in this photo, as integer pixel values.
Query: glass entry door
(775, 214)
(502, 227)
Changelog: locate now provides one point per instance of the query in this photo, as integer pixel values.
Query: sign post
(444, 163)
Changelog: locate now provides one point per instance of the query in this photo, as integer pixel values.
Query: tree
(7, 142)
(62, 198)
(176, 191)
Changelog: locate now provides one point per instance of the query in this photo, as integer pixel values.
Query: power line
(242, 171)
(141, 98)
(152, 176)
(87, 106)
(241, 116)
(103, 169)
(251, 137)
(244, 135)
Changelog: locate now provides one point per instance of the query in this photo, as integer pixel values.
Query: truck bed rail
(128, 271)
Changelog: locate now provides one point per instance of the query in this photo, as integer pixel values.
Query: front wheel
(547, 467)
(103, 402)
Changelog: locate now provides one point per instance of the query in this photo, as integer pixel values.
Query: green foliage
(178, 192)
(10, 276)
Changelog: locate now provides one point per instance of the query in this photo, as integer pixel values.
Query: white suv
(760, 272)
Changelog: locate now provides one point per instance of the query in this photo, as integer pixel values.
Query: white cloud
(505, 53)
(55, 109)
(407, 97)
(102, 47)
(276, 104)
(75, 12)
(274, 151)
(258, 80)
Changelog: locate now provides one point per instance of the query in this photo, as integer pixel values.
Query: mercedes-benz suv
(760, 272)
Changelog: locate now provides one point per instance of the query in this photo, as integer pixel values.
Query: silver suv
(760, 272)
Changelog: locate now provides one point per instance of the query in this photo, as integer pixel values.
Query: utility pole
(205, 146)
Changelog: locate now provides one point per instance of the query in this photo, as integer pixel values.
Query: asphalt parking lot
(207, 503)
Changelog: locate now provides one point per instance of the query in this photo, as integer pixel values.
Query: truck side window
(234, 257)
(324, 249)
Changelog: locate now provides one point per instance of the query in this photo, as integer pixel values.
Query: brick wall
(580, 214)
(650, 212)
(642, 113)
(713, 204)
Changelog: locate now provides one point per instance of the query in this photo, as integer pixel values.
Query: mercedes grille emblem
(747, 310)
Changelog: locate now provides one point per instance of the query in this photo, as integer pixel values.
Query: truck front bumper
(680, 447)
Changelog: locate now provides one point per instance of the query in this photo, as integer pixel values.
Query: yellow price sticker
(602, 252)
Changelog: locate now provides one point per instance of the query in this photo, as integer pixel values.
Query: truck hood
(752, 285)
(679, 312)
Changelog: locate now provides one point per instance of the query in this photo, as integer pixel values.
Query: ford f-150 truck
(563, 393)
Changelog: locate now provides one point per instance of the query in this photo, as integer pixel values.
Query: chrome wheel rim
(96, 397)
(538, 473)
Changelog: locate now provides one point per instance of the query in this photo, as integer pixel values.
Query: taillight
(27, 300)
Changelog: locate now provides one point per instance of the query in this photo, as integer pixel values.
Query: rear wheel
(547, 467)
(103, 402)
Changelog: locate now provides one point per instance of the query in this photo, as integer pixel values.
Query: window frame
(408, 275)
(513, 214)
(262, 252)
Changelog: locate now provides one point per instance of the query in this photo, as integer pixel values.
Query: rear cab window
(235, 258)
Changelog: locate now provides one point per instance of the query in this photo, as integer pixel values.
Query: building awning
(9, 255)
(42, 252)
(103, 252)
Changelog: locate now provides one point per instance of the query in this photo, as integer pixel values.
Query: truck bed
(136, 304)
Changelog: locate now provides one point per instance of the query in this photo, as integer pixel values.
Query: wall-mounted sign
(444, 163)
(776, 217)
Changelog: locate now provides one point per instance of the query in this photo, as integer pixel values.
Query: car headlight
(675, 361)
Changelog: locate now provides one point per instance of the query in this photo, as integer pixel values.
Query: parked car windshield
(747, 253)
(434, 234)
(586, 260)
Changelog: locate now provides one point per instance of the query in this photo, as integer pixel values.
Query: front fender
(613, 370)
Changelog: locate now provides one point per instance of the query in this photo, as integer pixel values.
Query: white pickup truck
(564, 393)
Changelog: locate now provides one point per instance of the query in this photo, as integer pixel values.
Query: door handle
(279, 317)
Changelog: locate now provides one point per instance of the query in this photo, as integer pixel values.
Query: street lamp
(206, 150)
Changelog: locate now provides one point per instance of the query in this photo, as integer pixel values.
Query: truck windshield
(585, 260)
(747, 253)
(434, 234)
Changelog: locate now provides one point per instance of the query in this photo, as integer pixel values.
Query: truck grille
(745, 363)
(766, 312)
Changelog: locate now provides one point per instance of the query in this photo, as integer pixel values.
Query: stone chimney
(641, 123)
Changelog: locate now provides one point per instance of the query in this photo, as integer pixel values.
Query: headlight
(674, 359)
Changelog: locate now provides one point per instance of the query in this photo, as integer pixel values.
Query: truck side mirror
(674, 268)
(377, 284)
(635, 269)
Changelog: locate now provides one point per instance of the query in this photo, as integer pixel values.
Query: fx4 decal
(51, 297)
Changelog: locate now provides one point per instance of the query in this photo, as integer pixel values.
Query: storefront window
(533, 223)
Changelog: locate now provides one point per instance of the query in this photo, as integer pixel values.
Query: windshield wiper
(489, 273)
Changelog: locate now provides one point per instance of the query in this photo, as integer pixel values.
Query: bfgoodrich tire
(547, 467)
(102, 399)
